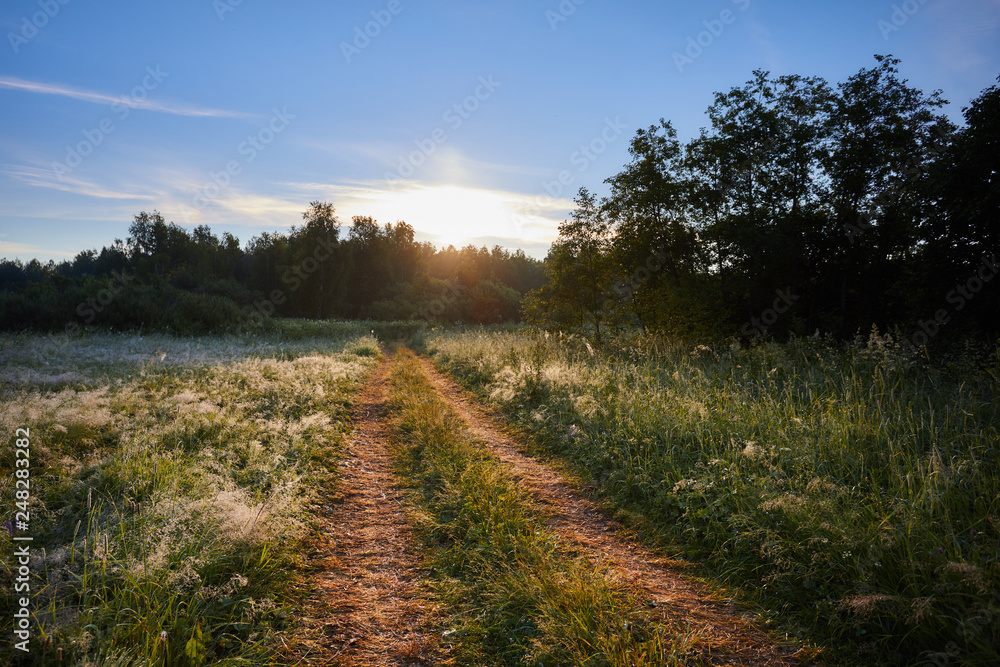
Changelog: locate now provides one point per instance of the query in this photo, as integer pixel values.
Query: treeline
(801, 207)
(165, 277)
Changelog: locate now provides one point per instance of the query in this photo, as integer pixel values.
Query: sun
(452, 214)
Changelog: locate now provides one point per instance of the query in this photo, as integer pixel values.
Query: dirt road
(368, 606)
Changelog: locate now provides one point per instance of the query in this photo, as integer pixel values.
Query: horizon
(476, 124)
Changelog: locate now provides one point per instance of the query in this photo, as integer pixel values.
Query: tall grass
(171, 481)
(853, 490)
(516, 596)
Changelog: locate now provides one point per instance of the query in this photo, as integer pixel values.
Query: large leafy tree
(884, 133)
(963, 230)
(658, 253)
(646, 202)
(756, 186)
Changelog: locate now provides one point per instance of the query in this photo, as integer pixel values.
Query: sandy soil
(367, 605)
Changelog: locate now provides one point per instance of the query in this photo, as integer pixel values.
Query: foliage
(166, 278)
(579, 270)
(800, 208)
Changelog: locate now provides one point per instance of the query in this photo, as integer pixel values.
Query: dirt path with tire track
(367, 606)
(732, 637)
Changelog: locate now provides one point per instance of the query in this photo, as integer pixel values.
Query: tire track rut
(732, 637)
(367, 607)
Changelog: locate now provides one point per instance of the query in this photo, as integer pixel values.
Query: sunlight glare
(452, 214)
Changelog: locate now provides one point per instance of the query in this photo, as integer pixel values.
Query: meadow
(848, 492)
(171, 482)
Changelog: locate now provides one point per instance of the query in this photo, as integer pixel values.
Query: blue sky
(457, 117)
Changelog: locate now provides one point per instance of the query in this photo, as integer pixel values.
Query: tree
(581, 270)
(884, 133)
(963, 229)
(317, 256)
(657, 252)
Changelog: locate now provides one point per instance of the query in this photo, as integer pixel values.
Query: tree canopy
(801, 207)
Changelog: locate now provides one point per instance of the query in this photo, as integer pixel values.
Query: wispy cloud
(15, 83)
(963, 32)
(445, 163)
(45, 178)
(760, 37)
(261, 207)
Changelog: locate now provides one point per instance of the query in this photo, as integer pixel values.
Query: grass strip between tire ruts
(515, 595)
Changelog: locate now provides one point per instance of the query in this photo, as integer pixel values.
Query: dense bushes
(116, 306)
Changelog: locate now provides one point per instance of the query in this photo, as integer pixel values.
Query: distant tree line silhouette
(801, 207)
(164, 277)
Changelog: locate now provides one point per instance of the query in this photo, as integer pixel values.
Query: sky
(476, 122)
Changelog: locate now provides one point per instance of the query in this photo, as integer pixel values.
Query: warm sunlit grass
(514, 595)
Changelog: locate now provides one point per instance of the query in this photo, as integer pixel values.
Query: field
(171, 482)
(850, 492)
(316, 496)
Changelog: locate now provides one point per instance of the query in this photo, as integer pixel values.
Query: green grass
(515, 595)
(852, 490)
(171, 481)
